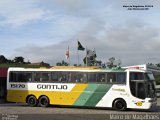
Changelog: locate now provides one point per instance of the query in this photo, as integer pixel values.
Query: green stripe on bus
(92, 94)
(86, 94)
(98, 94)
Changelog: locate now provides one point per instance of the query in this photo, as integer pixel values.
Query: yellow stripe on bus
(62, 98)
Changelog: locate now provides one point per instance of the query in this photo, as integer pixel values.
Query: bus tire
(32, 101)
(44, 101)
(119, 104)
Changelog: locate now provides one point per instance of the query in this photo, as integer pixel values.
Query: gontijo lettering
(54, 87)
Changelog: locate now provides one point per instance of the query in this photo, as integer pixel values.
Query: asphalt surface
(17, 111)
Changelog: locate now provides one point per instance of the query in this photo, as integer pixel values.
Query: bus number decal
(17, 86)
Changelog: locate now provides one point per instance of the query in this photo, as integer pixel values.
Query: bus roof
(69, 68)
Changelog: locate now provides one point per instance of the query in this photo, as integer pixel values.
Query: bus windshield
(148, 76)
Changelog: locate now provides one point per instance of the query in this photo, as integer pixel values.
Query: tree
(113, 62)
(158, 65)
(63, 63)
(3, 59)
(19, 59)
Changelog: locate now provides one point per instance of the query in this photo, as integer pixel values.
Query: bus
(82, 86)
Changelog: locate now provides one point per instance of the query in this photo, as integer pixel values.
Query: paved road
(13, 111)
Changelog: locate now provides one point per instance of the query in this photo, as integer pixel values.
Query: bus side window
(72, 77)
(84, 77)
(69, 77)
(13, 77)
(28, 77)
(80, 78)
(92, 77)
(21, 77)
(100, 77)
(77, 77)
(121, 78)
(37, 76)
(111, 77)
(54, 76)
(45, 76)
(62, 77)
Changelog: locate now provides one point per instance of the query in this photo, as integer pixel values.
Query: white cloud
(132, 46)
(104, 25)
(17, 12)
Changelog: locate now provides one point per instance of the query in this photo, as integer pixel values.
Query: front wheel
(119, 104)
(44, 101)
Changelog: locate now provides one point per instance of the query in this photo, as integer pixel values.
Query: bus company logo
(17, 86)
(118, 89)
(54, 87)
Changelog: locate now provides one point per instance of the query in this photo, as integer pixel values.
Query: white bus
(82, 86)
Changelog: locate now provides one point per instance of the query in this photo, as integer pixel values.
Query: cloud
(104, 25)
(136, 45)
(16, 13)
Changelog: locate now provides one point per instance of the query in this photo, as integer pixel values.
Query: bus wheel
(44, 101)
(32, 101)
(119, 104)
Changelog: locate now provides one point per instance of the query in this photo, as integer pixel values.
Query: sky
(42, 30)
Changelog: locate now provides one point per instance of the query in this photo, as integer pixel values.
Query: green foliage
(16, 60)
(63, 63)
(3, 59)
(7, 65)
(157, 77)
(19, 59)
(112, 62)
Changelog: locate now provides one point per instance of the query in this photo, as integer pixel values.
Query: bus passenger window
(100, 77)
(62, 77)
(28, 77)
(77, 77)
(80, 78)
(121, 78)
(54, 77)
(45, 76)
(84, 78)
(111, 77)
(37, 76)
(92, 77)
(13, 77)
(72, 77)
(21, 77)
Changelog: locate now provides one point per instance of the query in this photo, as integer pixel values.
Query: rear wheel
(44, 101)
(119, 104)
(32, 101)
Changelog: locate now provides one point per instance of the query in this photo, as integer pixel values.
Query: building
(3, 81)
(41, 64)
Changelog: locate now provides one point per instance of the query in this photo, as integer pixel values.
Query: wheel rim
(120, 105)
(44, 102)
(31, 101)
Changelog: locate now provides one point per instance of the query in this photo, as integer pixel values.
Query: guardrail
(158, 90)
